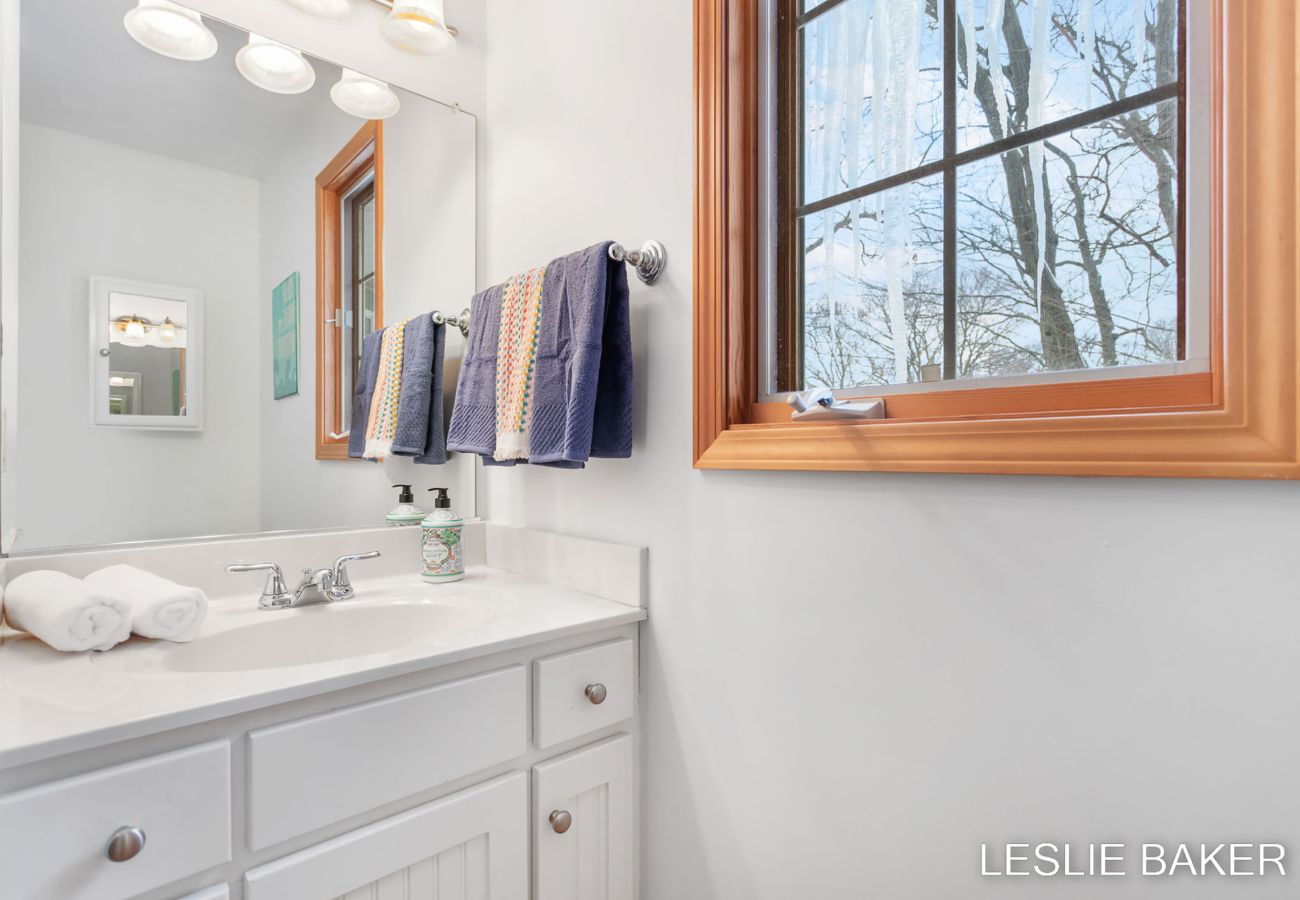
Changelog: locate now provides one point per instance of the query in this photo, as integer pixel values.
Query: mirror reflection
(146, 363)
(205, 239)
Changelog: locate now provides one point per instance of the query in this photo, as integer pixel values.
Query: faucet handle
(275, 594)
(341, 588)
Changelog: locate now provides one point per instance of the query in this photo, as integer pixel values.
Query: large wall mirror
(171, 265)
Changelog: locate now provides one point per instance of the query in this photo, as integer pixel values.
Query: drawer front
(569, 685)
(53, 837)
(310, 773)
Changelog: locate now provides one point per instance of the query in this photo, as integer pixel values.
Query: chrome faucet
(317, 585)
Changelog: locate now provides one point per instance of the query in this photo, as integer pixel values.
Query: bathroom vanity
(475, 740)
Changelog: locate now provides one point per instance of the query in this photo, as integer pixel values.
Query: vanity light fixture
(167, 331)
(419, 26)
(170, 29)
(364, 97)
(325, 9)
(274, 67)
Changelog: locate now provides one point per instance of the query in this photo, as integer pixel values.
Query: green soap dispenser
(444, 557)
(405, 513)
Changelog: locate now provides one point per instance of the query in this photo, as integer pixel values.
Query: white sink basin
(247, 640)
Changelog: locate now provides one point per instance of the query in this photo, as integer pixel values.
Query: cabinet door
(470, 846)
(584, 835)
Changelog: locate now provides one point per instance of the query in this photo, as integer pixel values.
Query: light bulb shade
(134, 335)
(419, 26)
(167, 333)
(364, 97)
(170, 29)
(325, 9)
(274, 67)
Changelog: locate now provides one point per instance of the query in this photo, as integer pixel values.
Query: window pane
(853, 133)
(1109, 278)
(367, 237)
(1096, 54)
(873, 294)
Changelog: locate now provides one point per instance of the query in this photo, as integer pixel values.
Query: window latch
(820, 403)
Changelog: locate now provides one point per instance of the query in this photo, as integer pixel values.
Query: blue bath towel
(582, 401)
(473, 415)
(419, 405)
(367, 375)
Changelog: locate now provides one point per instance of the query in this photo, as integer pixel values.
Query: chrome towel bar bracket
(649, 261)
(461, 321)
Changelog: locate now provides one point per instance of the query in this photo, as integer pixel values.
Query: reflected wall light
(419, 26)
(274, 67)
(170, 29)
(364, 97)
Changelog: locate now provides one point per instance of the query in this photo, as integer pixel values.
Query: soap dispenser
(444, 559)
(405, 513)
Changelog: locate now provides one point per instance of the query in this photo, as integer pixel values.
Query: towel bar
(649, 261)
(461, 321)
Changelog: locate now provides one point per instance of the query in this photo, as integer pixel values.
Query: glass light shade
(325, 9)
(172, 30)
(274, 67)
(364, 97)
(134, 335)
(419, 26)
(167, 333)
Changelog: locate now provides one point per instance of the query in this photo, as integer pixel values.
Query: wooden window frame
(362, 153)
(1237, 421)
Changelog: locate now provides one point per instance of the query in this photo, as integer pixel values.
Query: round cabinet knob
(104, 351)
(596, 693)
(125, 844)
(561, 821)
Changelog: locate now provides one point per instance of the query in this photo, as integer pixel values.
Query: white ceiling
(82, 73)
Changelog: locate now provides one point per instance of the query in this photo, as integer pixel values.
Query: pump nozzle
(442, 501)
(405, 496)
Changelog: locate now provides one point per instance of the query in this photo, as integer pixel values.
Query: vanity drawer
(583, 690)
(53, 838)
(310, 773)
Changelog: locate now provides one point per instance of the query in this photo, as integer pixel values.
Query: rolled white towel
(65, 612)
(160, 608)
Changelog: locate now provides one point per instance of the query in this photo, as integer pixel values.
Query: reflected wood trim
(1238, 421)
(363, 152)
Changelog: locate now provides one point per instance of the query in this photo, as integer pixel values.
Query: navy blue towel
(367, 375)
(419, 404)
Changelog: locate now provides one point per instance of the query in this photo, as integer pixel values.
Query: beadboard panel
(472, 845)
(458, 873)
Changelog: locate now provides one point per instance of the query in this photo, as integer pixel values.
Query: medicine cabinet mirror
(146, 355)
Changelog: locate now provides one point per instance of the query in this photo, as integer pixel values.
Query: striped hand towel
(521, 313)
(382, 426)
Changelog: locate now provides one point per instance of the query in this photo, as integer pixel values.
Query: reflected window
(349, 279)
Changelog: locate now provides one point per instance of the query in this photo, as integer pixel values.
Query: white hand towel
(65, 612)
(159, 608)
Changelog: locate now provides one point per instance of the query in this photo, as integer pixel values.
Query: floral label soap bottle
(444, 558)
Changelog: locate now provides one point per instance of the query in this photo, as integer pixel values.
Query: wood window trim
(363, 152)
(1238, 421)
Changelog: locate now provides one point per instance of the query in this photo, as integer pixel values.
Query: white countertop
(53, 703)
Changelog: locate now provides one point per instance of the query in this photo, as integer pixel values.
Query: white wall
(851, 681)
(91, 208)
(429, 263)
